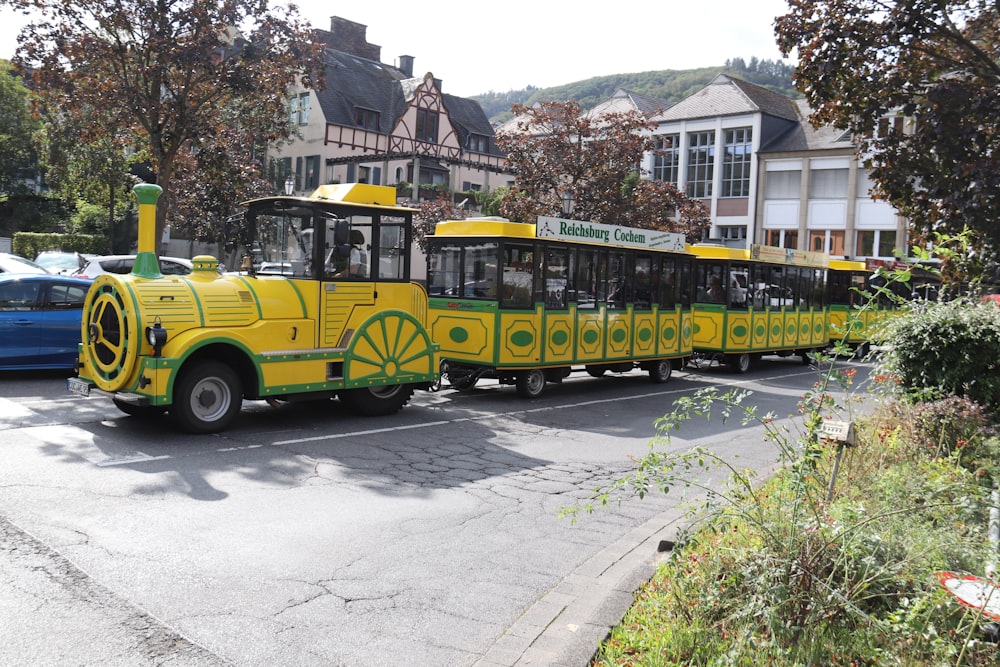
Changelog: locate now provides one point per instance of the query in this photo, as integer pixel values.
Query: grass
(791, 572)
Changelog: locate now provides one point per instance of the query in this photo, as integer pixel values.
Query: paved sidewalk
(566, 625)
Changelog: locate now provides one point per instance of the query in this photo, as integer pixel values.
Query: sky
(476, 48)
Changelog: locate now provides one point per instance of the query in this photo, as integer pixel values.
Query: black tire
(377, 401)
(862, 350)
(738, 363)
(660, 370)
(138, 410)
(530, 384)
(207, 397)
(596, 371)
(462, 381)
(805, 357)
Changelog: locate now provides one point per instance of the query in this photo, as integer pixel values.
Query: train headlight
(156, 335)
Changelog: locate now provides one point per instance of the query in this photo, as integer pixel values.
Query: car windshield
(15, 264)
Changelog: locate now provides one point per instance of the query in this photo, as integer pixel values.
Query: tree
(163, 69)
(561, 157)
(917, 83)
(17, 129)
(429, 213)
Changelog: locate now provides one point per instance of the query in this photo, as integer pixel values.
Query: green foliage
(916, 84)
(670, 86)
(34, 213)
(29, 244)
(937, 349)
(18, 127)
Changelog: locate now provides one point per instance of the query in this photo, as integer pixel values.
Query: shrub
(938, 349)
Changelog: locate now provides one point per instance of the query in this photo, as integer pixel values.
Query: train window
(444, 275)
(819, 288)
(642, 291)
(618, 280)
(667, 280)
(739, 286)
(518, 271)
(556, 277)
(391, 249)
(840, 288)
(590, 272)
(686, 284)
(711, 283)
(480, 272)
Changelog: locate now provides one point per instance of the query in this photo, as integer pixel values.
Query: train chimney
(147, 265)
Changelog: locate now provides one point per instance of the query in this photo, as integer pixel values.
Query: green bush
(938, 349)
(29, 244)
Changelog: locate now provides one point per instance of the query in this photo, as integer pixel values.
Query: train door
(591, 302)
(557, 319)
(520, 323)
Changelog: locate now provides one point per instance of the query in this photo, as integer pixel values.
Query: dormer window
(366, 118)
(478, 143)
(427, 126)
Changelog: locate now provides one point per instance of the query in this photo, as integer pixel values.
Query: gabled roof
(353, 81)
(804, 137)
(623, 101)
(726, 96)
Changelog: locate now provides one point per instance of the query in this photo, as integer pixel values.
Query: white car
(95, 266)
(16, 264)
(64, 263)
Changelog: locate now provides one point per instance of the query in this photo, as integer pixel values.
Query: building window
(427, 126)
(366, 118)
(737, 149)
(827, 240)
(312, 173)
(781, 238)
(701, 163)
(783, 185)
(478, 143)
(828, 184)
(469, 186)
(667, 159)
(298, 110)
(881, 240)
(733, 232)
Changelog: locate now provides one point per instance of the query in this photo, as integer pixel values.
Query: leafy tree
(17, 129)
(916, 82)
(163, 70)
(429, 213)
(561, 156)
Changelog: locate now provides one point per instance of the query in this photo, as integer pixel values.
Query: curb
(564, 627)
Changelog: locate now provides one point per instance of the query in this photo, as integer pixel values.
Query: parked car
(40, 320)
(95, 266)
(15, 264)
(56, 261)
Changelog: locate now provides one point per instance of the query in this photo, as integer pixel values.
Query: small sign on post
(838, 431)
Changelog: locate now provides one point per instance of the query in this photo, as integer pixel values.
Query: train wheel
(805, 357)
(207, 398)
(530, 384)
(738, 363)
(596, 371)
(138, 410)
(660, 371)
(377, 401)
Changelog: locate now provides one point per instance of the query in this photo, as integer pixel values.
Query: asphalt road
(308, 536)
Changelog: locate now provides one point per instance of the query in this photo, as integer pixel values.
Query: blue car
(40, 320)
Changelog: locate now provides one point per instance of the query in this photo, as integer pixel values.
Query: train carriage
(757, 301)
(528, 303)
(322, 306)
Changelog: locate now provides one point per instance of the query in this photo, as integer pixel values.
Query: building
(377, 123)
(814, 195)
(767, 176)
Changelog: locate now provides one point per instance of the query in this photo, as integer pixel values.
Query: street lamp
(289, 186)
(568, 200)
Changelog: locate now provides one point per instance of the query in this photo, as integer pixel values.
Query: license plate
(78, 386)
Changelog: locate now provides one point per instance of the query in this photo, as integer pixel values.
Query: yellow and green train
(323, 306)
(304, 318)
(527, 303)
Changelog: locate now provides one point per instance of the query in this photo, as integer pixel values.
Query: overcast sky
(478, 47)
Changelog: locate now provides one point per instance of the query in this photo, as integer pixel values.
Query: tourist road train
(323, 306)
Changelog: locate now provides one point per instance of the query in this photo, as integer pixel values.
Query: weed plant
(831, 561)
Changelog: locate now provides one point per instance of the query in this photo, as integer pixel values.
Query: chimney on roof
(406, 66)
(351, 37)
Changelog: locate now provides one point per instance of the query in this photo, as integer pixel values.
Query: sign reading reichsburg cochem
(595, 232)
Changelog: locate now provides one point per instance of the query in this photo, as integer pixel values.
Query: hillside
(668, 85)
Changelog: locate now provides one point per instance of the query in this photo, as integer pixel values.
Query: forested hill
(669, 85)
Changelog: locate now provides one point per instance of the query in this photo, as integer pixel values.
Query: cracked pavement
(308, 536)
